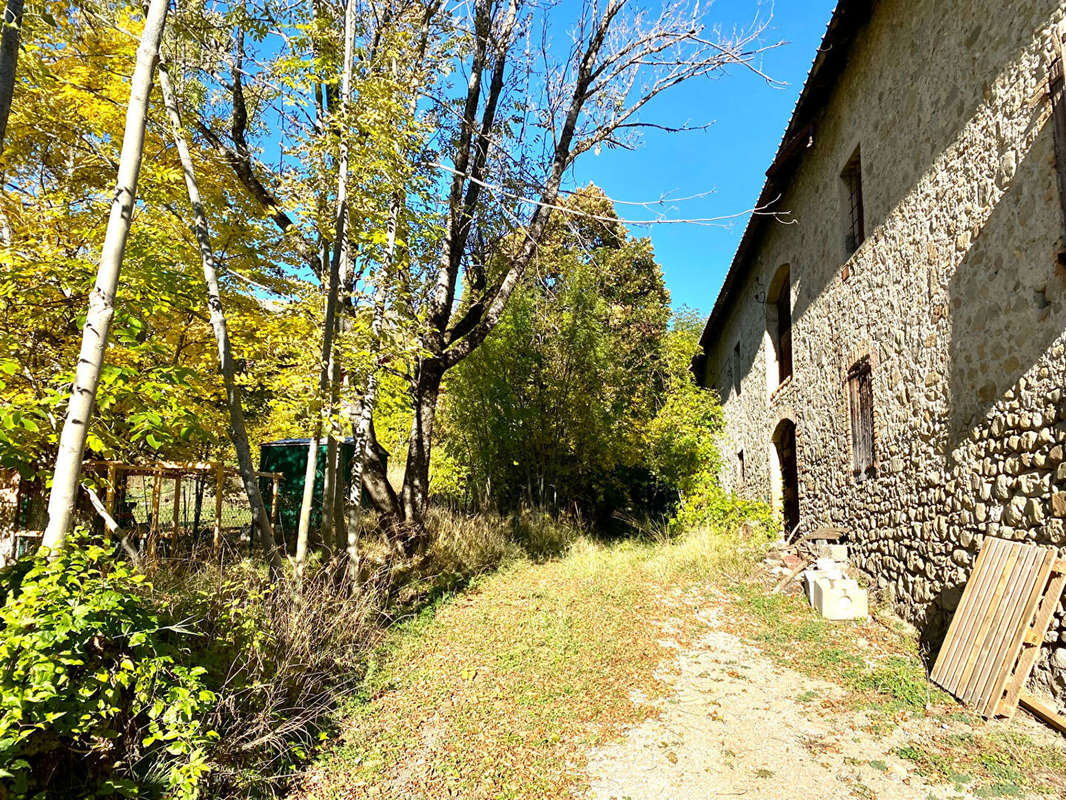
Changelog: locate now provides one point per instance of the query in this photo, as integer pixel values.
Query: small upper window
(854, 223)
(736, 368)
(861, 402)
(742, 474)
(779, 325)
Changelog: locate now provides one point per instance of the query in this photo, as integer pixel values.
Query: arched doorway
(787, 478)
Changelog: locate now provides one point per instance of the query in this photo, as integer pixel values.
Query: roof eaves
(848, 17)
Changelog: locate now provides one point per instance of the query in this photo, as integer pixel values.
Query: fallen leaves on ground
(497, 693)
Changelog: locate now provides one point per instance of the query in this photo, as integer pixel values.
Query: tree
(9, 51)
(363, 111)
(507, 153)
(339, 257)
(159, 390)
(237, 429)
(553, 406)
(101, 301)
(459, 130)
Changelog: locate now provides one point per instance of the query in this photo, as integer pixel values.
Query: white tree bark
(102, 300)
(361, 427)
(340, 256)
(237, 430)
(329, 474)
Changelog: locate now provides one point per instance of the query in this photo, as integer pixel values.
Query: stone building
(890, 349)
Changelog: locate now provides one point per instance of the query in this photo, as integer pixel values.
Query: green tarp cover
(289, 457)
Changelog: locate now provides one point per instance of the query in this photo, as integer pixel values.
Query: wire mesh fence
(180, 504)
(161, 508)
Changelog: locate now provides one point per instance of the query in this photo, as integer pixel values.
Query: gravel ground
(736, 725)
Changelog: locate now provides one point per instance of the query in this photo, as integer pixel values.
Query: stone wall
(956, 297)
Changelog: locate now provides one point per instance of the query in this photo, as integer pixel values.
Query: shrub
(682, 441)
(709, 504)
(93, 699)
(466, 545)
(280, 653)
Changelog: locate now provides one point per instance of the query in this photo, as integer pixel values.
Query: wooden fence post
(274, 502)
(220, 475)
(153, 530)
(112, 489)
(177, 504)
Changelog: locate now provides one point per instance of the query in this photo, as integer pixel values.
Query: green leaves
(552, 406)
(91, 683)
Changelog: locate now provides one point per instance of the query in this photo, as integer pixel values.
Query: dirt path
(618, 672)
(736, 725)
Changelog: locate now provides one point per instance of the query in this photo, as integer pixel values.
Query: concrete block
(823, 568)
(829, 567)
(809, 577)
(840, 598)
(835, 552)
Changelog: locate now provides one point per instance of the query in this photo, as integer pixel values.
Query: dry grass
(473, 544)
(495, 693)
(283, 654)
(279, 655)
(498, 692)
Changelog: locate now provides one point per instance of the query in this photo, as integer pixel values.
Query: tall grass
(726, 552)
(470, 544)
(279, 655)
(282, 654)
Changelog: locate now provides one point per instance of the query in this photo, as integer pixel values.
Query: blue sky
(730, 158)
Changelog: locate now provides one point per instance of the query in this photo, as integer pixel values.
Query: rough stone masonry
(922, 252)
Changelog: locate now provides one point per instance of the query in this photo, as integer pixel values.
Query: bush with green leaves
(94, 701)
(548, 411)
(682, 441)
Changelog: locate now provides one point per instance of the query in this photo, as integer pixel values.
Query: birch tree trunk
(9, 52)
(237, 430)
(329, 326)
(102, 300)
(329, 481)
(362, 424)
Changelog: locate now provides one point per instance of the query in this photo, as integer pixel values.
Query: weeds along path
(500, 691)
(615, 672)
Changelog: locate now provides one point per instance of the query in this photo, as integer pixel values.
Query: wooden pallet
(996, 633)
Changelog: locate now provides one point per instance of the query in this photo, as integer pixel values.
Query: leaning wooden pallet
(995, 636)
